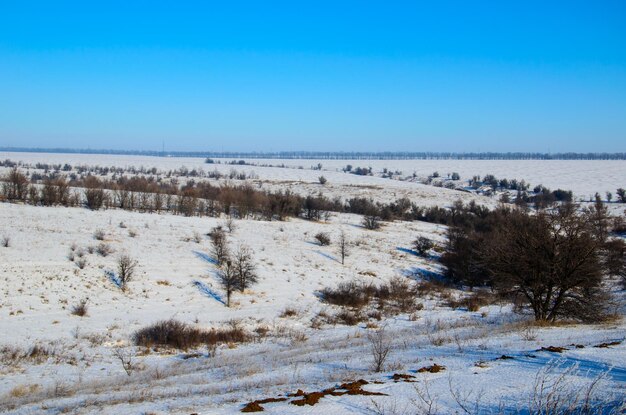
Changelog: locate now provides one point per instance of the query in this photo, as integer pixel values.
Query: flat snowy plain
(176, 279)
(583, 177)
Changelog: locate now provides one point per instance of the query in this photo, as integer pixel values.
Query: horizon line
(339, 155)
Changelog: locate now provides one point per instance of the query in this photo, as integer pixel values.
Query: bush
(6, 241)
(550, 261)
(103, 249)
(323, 238)
(422, 245)
(398, 295)
(99, 235)
(322, 180)
(371, 222)
(182, 336)
(80, 309)
(81, 263)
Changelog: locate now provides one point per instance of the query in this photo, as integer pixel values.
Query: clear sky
(315, 75)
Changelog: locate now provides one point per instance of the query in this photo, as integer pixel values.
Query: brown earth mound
(431, 369)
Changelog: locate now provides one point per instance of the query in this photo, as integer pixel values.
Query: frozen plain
(177, 279)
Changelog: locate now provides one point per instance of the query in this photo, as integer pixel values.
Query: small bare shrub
(323, 238)
(6, 241)
(103, 249)
(182, 336)
(132, 233)
(344, 246)
(422, 245)
(231, 225)
(80, 309)
(380, 346)
(99, 235)
(126, 358)
(81, 263)
(371, 222)
(197, 238)
(288, 312)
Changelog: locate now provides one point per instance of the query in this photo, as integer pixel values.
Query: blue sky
(268, 76)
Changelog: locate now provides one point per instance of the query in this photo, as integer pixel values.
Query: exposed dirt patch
(553, 349)
(608, 344)
(349, 388)
(397, 377)
(431, 369)
(255, 406)
(308, 398)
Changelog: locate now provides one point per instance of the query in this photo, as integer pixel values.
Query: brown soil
(349, 388)
(402, 377)
(553, 349)
(255, 406)
(605, 345)
(431, 369)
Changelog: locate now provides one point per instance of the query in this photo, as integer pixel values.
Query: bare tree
(220, 245)
(344, 248)
(125, 270)
(94, 193)
(380, 347)
(244, 268)
(552, 261)
(15, 185)
(228, 277)
(126, 358)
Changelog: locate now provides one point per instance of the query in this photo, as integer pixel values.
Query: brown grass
(182, 336)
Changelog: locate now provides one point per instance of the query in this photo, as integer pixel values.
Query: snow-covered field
(583, 177)
(492, 358)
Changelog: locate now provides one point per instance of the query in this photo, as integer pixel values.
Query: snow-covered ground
(583, 177)
(176, 278)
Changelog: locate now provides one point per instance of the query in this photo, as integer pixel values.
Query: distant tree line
(340, 155)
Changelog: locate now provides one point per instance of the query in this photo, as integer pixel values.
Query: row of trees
(553, 261)
(194, 198)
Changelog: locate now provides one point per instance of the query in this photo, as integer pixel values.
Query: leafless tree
(344, 246)
(550, 260)
(94, 193)
(229, 278)
(126, 358)
(15, 185)
(244, 267)
(220, 245)
(125, 270)
(380, 346)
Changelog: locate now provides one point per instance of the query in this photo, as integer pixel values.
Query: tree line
(339, 155)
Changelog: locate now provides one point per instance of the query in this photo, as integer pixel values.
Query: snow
(176, 279)
(583, 177)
